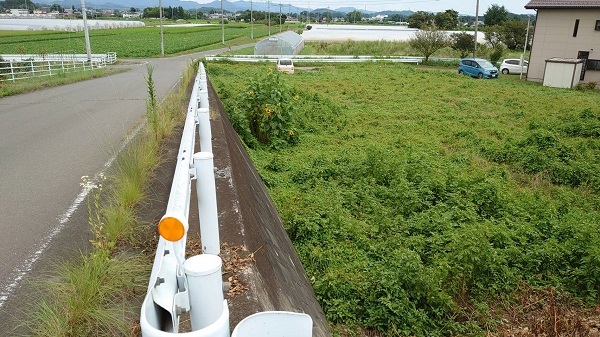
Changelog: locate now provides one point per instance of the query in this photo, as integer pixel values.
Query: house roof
(535, 4)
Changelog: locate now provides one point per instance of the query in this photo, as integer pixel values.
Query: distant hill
(405, 13)
(347, 10)
(229, 6)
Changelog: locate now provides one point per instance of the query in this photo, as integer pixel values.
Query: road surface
(49, 139)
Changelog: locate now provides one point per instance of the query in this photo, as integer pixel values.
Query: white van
(285, 65)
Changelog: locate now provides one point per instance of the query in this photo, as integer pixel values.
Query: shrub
(496, 54)
(266, 109)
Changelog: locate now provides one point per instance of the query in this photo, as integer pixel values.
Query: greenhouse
(287, 43)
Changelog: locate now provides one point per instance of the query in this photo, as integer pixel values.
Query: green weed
(418, 198)
(265, 111)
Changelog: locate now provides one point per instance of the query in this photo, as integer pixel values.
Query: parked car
(479, 68)
(285, 65)
(513, 66)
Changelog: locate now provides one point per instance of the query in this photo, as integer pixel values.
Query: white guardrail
(195, 285)
(15, 67)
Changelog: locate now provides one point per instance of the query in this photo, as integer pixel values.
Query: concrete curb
(247, 217)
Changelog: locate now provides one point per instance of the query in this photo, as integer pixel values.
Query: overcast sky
(461, 6)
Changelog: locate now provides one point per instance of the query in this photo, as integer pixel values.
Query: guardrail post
(49, 68)
(206, 290)
(204, 131)
(207, 203)
(203, 96)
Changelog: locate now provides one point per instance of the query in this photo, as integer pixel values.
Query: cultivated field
(426, 203)
(131, 42)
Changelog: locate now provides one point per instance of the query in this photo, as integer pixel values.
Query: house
(132, 15)
(567, 29)
(19, 12)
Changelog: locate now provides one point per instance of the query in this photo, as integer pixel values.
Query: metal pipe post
(207, 203)
(206, 290)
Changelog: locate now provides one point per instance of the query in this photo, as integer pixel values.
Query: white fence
(16, 67)
(328, 58)
(194, 285)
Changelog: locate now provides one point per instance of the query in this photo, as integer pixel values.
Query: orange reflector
(171, 229)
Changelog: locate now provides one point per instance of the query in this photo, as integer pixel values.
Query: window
(576, 28)
(597, 25)
(593, 64)
(515, 62)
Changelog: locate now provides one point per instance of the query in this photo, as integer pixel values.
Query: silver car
(513, 66)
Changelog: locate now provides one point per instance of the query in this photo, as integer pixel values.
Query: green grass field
(131, 42)
(422, 202)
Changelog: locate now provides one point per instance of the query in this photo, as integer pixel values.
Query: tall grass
(96, 295)
(87, 298)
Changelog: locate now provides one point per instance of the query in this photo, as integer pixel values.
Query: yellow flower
(291, 132)
(296, 97)
(278, 103)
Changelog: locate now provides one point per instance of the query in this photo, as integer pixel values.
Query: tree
(495, 15)
(132, 10)
(512, 33)
(354, 16)
(397, 18)
(151, 12)
(23, 4)
(463, 42)
(56, 8)
(421, 19)
(446, 20)
(428, 42)
(492, 35)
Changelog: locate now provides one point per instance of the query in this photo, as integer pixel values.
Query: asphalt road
(49, 139)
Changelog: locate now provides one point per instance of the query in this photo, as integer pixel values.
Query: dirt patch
(546, 313)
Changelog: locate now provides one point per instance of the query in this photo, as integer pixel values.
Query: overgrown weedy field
(421, 202)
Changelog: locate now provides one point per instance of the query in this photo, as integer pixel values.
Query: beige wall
(553, 37)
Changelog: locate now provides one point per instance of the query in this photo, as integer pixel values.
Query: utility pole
(162, 41)
(269, 10)
(476, 25)
(280, 17)
(251, 23)
(86, 32)
(525, 48)
(222, 25)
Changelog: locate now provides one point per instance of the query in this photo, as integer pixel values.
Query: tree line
(502, 29)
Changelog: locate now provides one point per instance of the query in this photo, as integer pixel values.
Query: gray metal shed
(286, 43)
(562, 72)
